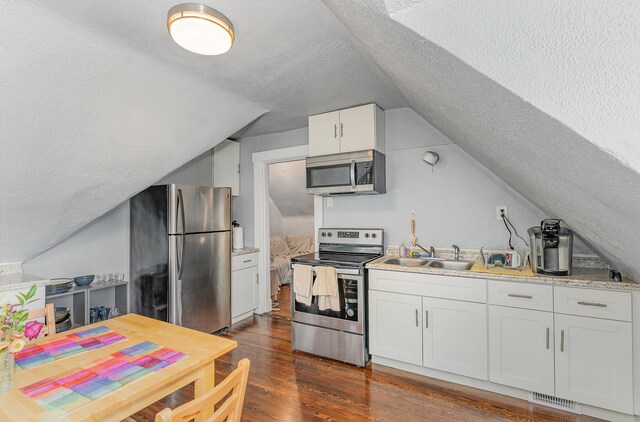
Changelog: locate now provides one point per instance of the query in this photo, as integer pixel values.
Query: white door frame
(261, 161)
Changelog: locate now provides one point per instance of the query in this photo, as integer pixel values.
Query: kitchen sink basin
(407, 262)
(452, 265)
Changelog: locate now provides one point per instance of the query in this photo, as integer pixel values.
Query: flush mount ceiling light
(200, 29)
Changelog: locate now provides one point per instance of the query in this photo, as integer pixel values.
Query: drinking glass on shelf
(115, 311)
(113, 277)
(120, 277)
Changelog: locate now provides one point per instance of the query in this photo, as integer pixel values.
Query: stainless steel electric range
(339, 335)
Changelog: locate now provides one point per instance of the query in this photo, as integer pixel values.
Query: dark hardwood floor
(291, 386)
(284, 303)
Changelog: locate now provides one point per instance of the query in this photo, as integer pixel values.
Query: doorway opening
(291, 214)
(291, 228)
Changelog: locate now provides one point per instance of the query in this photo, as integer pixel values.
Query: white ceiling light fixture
(200, 29)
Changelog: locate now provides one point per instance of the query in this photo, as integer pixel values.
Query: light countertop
(20, 280)
(244, 251)
(581, 277)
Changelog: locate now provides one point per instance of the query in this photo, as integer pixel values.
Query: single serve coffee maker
(551, 248)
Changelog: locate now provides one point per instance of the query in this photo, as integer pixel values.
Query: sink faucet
(431, 251)
(456, 249)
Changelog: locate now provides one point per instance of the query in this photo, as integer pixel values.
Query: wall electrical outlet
(499, 210)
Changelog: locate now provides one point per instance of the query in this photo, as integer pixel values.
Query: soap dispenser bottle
(402, 250)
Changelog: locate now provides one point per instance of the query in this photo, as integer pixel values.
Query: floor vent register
(555, 402)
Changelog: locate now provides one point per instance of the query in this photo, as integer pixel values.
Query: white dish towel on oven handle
(302, 282)
(326, 288)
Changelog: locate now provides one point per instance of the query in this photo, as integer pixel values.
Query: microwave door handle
(353, 174)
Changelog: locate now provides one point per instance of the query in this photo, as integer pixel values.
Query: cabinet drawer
(440, 286)
(244, 261)
(520, 295)
(593, 303)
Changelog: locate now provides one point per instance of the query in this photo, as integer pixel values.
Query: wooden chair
(49, 314)
(230, 410)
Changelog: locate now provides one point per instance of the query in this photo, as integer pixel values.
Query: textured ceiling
(97, 101)
(577, 61)
(549, 163)
(294, 57)
(288, 189)
(87, 121)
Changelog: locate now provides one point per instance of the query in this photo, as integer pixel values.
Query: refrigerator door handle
(178, 302)
(181, 248)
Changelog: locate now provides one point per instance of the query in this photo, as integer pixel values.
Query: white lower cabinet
(395, 323)
(521, 348)
(594, 362)
(569, 342)
(244, 286)
(455, 337)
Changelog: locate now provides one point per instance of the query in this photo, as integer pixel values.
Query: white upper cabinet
(323, 134)
(226, 166)
(353, 129)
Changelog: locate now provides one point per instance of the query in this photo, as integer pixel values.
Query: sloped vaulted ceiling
(97, 102)
(545, 94)
(87, 122)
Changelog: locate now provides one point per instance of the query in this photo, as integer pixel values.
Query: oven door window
(329, 176)
(348, 292)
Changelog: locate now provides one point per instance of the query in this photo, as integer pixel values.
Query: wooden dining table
(198, 366)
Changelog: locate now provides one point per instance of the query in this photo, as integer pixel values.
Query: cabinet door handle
(548, 337)
(335, 131)
(416, 317)
(426, 319)
(520, 296)
(562, 340)
(341, 130)
(599, 305)
(248, 260)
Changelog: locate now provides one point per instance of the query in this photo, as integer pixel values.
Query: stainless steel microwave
(348, 173)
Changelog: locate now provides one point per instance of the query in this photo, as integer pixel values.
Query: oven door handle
(339, 271)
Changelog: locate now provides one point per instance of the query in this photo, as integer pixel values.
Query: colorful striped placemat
(75, 388)
(71, 344)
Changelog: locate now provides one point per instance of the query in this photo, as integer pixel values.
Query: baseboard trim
(495, 388)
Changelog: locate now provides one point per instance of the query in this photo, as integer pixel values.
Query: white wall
(302, 224)
(276, 222)
(198, 171)
(242, 206)
(454, 202)
(103, 245)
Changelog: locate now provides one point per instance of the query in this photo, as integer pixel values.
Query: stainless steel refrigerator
(181, 255)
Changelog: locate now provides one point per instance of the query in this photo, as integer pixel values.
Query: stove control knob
(329, 234)
(350, 312)
(366, 235)
(374, 235)
(323, 234)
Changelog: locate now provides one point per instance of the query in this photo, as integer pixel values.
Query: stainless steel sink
(407, 262)
(452, 265)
